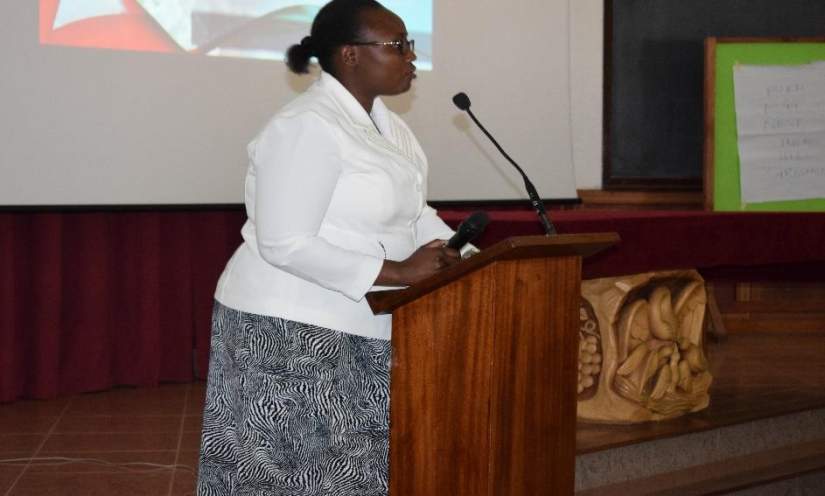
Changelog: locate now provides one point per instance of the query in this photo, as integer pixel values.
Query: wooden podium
(483, 384)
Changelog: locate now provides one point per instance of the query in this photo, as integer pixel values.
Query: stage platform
(756, 376)
(767, 406)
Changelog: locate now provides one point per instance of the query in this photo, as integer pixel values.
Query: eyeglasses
(403, 46)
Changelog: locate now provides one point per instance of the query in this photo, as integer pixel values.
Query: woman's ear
(349, 55)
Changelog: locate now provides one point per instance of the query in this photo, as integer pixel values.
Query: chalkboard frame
(611, 181)
(653, 35)
(726, 173)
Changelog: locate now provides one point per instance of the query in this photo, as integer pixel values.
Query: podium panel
(484, 374)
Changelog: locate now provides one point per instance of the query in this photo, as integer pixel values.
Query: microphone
(462, 101)
(468, 230)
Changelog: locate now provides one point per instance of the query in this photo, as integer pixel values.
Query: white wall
(81, 126)
(587, 79)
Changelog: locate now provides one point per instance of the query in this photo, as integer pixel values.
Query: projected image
(235, 28)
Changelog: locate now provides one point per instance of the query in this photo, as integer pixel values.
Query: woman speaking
(298, 389)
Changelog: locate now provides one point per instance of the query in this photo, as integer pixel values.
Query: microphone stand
(535, 199)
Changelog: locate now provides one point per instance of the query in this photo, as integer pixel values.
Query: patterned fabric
(293, 410)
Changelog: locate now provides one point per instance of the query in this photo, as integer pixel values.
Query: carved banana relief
(650, 341)
(590, 357)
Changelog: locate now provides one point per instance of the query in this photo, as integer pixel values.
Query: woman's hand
(424, 262)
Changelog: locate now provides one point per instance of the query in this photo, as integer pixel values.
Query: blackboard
(654, 73)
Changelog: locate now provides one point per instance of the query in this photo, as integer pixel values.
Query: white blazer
(328, 198)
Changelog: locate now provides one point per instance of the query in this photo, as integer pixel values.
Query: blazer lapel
(396, 133)
(394, 136)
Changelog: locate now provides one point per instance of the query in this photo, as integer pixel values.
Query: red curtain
(90, 300)
(745, 244)
(96, 299)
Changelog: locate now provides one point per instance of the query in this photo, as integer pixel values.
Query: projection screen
(152, 102)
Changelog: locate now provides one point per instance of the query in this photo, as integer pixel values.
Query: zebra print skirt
(293, 410)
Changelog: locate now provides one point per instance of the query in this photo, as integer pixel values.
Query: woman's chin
(408, 82)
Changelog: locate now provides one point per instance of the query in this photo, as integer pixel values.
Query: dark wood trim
(595, 198)
(771, 39)
(709, 166)
(607, 95)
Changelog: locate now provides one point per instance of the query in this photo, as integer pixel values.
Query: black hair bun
(307, 42)
(298, 55)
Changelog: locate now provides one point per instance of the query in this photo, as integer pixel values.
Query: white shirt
(328, 198)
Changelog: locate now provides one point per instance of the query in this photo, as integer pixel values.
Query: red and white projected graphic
(114, 24)
(262, 29)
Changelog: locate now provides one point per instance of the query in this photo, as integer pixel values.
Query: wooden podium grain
(483, 384)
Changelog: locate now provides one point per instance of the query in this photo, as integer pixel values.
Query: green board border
(726, 185)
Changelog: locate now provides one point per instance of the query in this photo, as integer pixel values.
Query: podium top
(515, 248)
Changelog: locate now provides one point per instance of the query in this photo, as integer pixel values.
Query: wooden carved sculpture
(641, 351)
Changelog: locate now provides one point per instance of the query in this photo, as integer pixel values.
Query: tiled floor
(159, 426)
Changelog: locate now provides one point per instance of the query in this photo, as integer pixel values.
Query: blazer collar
(345, 100)
(391, 133)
